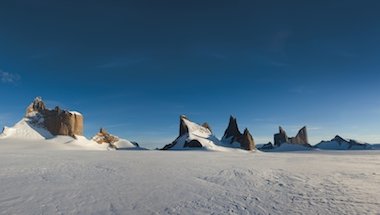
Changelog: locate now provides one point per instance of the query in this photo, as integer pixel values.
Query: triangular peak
(302, 131)
(232, 128)
(281, 130)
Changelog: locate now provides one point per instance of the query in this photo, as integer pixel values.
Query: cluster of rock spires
(56, 121)
(233, 134)
(301, 137)
(281, 137)
(201, 135)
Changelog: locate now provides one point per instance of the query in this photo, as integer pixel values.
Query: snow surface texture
(41, 178)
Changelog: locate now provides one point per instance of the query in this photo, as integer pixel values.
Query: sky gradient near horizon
(134, 66)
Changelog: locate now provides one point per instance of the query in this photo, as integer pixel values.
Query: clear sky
(134, 66)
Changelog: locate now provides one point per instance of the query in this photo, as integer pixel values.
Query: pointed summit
(246, 141)
(301, 136)
(183, 129)
(232, 129)
(234, 138)
(36, 106)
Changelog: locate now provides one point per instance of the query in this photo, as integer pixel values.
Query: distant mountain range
(66, 127)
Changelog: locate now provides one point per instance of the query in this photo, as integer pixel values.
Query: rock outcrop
(268, 146)
(56, 121)
(301, 138)
(192, 135)
(233, 135)
(103, 137)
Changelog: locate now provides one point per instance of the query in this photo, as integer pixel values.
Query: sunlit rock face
(56, 121)
(104, 137)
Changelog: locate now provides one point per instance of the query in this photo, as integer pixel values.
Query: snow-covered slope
(52, 181)
(25, 129)
(339, 143)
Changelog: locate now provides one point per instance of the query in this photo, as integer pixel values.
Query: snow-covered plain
(44, 178)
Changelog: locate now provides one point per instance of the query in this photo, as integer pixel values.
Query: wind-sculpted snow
(40, 178)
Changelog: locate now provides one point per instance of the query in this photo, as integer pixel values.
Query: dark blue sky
(135, 66)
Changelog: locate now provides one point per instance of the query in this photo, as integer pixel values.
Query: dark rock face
(206, 125)
(267, 146)
(183, 129)
(193, 144)
(280, 137)
(232, 129)
(301, 137)
(57, 121)
(233, 134)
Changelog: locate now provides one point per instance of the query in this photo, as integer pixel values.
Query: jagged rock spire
(36, 106)
(301, 136)
(232, 129)
(232, 134)
(246, 141)
(183, 129)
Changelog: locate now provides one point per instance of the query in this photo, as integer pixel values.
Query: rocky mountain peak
(36, 106)
(233, 134)
(232, 128)
(246, 141)
(56, 121)
(301, 137)
(183, 129)
(339, 139)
